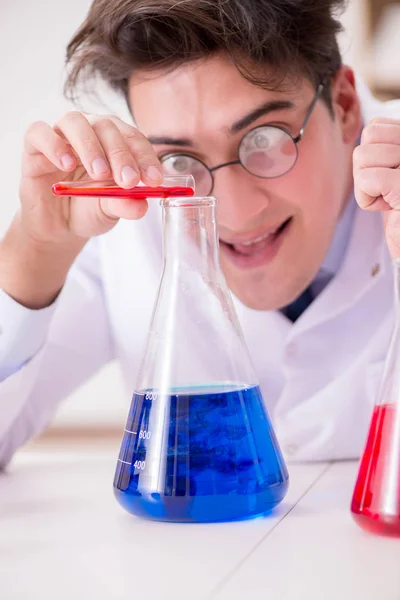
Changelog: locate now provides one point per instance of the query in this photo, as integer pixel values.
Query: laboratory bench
(63, 536)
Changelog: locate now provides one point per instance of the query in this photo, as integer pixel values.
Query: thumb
(123, 208)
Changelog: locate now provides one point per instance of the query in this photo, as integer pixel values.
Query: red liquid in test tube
(179, 186)
(376, 499)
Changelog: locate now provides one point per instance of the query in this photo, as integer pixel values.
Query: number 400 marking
(139, 464)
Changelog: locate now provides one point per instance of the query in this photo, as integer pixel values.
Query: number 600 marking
(144, 435)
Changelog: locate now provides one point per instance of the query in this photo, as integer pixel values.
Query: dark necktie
(296, 308)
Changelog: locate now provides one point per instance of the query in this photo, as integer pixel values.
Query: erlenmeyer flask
(376, 498)
(198, 443)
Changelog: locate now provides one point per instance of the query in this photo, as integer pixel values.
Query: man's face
(274, 233)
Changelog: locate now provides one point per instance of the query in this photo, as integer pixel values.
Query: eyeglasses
(267, 151)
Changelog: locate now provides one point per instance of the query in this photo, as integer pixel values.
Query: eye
(261, 140)
(183, 164)
(268, 151)
(264, 138)
(178, 164)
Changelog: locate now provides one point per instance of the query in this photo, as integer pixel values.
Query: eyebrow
(265, 109)
(169, 141)
(268, 107)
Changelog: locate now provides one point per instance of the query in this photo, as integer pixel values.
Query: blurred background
(33, 37)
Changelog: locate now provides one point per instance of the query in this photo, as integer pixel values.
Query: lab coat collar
(367, 260)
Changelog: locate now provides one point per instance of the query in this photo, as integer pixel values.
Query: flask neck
(190, 234)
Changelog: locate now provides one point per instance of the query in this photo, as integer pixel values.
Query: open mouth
(258, 250)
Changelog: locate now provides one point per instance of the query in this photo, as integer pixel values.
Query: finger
(124, 168)
(42, 141)
(370, 203)
(375, 204)
(77, 130)
(374, 183)
(376, 155)
(381, 133)
(385, 120)
(143, 152)
(392, 231)
(123, 208)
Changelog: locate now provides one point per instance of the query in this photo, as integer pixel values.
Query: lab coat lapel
(366, 261)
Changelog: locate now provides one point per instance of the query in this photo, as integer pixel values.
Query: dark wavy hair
(266, 39)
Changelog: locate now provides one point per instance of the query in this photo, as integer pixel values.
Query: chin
(256, 301)
(257, 298)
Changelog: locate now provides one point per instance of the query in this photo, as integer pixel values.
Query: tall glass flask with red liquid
(198, 443)
(376, 498)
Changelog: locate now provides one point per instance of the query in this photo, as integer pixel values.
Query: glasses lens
(182, 164)
(267, 151)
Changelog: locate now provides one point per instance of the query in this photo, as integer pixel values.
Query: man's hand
(48, 233)
(376, 168)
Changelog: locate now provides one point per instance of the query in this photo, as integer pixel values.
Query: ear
(346, 104)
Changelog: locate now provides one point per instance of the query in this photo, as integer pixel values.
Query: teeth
(259, 238)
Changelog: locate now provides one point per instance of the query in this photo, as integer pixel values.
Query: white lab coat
(319, 376)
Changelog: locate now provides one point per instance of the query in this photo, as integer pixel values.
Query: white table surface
(63, 536)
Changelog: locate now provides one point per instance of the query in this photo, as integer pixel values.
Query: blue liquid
(214, 457)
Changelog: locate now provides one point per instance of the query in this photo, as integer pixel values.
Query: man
(253, 99)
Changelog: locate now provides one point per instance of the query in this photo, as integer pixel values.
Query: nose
(242, 197)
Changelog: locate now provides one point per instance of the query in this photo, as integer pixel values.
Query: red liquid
(136, 193)
(376, 499)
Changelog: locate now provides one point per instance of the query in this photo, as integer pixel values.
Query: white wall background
(33, 36)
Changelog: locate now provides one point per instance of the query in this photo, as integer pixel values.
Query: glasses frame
(295, 140)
